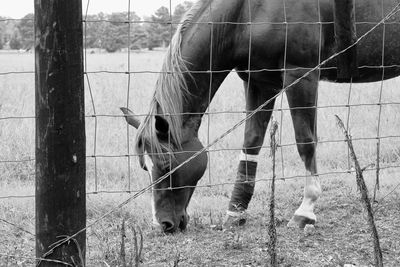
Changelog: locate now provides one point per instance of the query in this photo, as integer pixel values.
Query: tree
(179, 11)
(15, 41)
(115, 31)
(138, 37)
(163, 19)
(159, 30)
(93, 30)
(151, 36)
(2, 32)
(109, 31)
(26, 31)
(137, 33)
(8, 29)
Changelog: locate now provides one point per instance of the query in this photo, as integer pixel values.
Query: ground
(341, 235)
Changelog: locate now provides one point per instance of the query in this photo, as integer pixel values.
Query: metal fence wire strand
(283, 84)
(128, 94)
(209, 147)
(93, 106)
(226, 133)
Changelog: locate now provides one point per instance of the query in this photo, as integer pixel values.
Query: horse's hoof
(298, 221)
(234, 221)
(309, 229)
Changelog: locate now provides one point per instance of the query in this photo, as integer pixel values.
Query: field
(341, 235)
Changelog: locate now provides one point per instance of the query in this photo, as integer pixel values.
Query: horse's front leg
(302, 101)
(254, 134)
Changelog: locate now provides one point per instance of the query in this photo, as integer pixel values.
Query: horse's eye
(166, 169)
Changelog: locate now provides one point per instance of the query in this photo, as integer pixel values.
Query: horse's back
(379, 49)
(301, 33)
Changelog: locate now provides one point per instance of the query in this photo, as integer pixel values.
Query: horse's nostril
(167, 226)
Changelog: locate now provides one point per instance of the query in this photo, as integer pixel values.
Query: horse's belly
(366, 74)
(378, 53)
(372, 66)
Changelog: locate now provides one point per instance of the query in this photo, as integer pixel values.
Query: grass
(341, 235)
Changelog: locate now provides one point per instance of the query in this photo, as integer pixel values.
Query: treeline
(104, 31)
(16, 34)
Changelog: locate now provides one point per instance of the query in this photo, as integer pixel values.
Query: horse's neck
(208, 49)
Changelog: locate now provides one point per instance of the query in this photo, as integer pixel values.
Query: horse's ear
(130, 117)
(162, 126)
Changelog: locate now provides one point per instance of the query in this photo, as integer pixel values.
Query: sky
(18, 8)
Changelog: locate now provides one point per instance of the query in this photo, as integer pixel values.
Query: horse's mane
(170, 92)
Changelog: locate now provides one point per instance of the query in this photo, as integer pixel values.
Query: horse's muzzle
(168, 226)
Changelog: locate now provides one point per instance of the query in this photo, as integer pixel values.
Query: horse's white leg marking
(248, 157)
(312, 191)
(149, 165)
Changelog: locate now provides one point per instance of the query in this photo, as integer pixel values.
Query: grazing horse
(271, 44)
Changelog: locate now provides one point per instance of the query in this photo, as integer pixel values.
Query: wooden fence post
(362, 187)
(60, 131)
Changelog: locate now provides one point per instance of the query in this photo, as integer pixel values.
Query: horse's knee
(306, 148)
(252, 143)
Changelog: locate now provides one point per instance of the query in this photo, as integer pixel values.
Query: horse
(272, 44)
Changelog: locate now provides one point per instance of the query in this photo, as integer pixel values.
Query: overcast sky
(18, 8)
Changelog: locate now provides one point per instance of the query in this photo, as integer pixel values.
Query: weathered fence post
(60, 131)
(272, 226)
(362, 187)
(345, 36)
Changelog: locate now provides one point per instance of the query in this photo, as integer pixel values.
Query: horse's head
(171, 195)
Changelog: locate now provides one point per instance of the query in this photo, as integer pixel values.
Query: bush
(15, 42)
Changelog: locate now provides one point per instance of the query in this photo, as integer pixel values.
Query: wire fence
(240, 116)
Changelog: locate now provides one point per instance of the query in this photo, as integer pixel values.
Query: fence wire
(94, 155)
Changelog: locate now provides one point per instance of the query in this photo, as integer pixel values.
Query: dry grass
(340, 236)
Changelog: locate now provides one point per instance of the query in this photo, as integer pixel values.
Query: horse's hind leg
(302, 101)
(254, 134)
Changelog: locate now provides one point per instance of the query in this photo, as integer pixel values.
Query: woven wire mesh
(372, 119)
